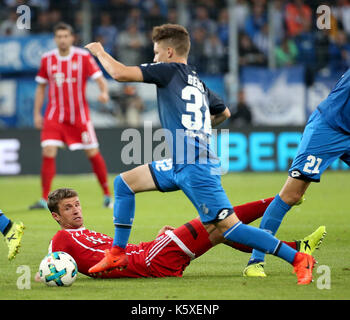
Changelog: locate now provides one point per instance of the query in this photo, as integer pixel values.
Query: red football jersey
(87, 248)
(168, 255)
(67, 77)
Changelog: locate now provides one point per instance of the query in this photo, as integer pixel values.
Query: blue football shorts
(201, 183)
(319, 147)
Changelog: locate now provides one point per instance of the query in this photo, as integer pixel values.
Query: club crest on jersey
(204, 208)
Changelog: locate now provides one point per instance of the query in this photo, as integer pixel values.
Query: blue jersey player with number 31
(187, 110)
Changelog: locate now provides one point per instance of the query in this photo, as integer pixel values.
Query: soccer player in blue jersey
(326, 137)
(187, 110)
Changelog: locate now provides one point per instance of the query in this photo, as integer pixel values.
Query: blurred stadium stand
(268, 60)
(276, 50)
(269, 49)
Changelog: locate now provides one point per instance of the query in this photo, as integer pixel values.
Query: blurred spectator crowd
(124, 27)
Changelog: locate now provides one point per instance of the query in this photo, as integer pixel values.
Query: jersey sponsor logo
(95, 240)
(59, 78)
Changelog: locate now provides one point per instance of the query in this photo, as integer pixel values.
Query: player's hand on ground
(103, 97)
(38, 121)
(165, 228)
(37, 277)
(95, 48)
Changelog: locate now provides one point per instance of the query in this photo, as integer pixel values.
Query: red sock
(48, 171)
(251, 211)
(248, 213)
(100, 169)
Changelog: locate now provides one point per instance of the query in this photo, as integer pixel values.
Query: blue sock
(4, 223)
(123, 212)
(270, 222)
(259, 239)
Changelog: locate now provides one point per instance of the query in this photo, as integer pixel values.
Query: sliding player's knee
(121, 188)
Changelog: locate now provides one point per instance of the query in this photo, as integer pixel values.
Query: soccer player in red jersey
(65, 70)
(168, 255)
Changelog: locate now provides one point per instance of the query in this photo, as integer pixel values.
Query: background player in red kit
(168, 255)
(65, 70)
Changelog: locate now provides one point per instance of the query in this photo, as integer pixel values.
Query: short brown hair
(176, 35)
(63, 26)
(56, 196)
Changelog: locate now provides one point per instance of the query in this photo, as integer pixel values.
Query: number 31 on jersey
(195, 120)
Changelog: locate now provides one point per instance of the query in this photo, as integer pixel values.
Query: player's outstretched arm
(115, 69)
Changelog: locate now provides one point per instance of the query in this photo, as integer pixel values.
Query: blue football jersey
(336, 107)
(184, 105)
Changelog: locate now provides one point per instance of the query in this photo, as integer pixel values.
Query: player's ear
(170, 52)
(56, 216)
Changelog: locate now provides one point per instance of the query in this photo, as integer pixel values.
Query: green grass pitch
(217, 275)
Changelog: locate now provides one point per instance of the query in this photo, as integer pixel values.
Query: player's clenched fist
(95, 48)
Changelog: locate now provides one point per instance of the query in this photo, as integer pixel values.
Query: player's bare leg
(139, 179)
(100, 170)
(293, 190)
(48, 172)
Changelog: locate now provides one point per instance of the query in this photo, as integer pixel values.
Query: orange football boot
(303, 265)
(113, 259)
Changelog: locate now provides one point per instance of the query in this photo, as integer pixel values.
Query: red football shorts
(187, 243)
(75, 136)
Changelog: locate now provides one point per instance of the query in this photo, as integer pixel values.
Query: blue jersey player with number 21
(326, 137)
(187, 110)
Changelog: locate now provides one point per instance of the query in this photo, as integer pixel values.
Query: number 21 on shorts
(312, 165)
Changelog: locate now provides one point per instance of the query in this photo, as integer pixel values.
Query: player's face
(70, 214)
(161, 52)
(64, 39)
